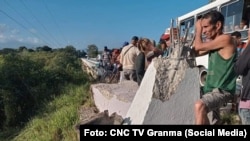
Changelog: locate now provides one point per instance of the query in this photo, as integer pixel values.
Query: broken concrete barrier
(116, 98)
(167, 93)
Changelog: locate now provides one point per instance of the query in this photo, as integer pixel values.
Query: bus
(234, 11)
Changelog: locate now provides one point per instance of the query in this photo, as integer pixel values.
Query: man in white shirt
(127, 59)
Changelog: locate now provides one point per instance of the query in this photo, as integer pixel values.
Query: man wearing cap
(165, 44)
(127, 59)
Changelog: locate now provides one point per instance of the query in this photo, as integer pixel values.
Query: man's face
(134, 42)
(168, 42)
(208, 29)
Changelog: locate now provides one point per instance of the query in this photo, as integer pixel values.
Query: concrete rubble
(167, 93)
(116, 98)
(170, 72)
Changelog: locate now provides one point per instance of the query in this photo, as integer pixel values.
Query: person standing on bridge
(220, 82)
(127, 59)
(145, 46)
(242, 67)
(240, 45)
(106, 56)
(165, 47)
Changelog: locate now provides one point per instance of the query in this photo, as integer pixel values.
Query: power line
(38, 21)
(53, 18)
(25, 19)
(21, 25)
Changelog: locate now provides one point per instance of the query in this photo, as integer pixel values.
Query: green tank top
(220, 73)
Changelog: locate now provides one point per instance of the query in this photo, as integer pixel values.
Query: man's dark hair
(105, 48)
(237, 34)
(135, 38)
(215, 16)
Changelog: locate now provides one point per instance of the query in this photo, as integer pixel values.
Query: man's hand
(198, 26)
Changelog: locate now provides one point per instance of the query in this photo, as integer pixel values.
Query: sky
(58, 23)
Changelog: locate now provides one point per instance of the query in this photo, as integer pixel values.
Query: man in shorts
(220, 82)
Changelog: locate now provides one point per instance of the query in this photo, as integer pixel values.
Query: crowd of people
(133, 58)
(225, 64)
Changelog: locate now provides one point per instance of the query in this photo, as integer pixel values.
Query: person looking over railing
(220, 84)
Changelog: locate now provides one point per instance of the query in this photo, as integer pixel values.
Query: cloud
(14, 37)
(3, 28)
(33, 40)
(2, 38)
(32, 30)
(15, 31)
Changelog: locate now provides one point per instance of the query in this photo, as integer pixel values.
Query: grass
(230, 119)
(57, 119)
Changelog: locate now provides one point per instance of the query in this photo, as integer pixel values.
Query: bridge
(91, 67)
(166, 95)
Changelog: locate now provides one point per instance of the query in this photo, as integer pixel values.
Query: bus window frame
(225, 16)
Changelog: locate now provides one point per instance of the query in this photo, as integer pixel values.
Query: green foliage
(70, 49)
(57, 118)
(92, 51)
(30, 78)
(7, 51)
(2, 114)
(16, 87)
(22, 48)
(230, 119)
(44, 48)
(81, 54)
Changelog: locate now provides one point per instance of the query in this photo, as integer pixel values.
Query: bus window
(184, 27)
(233, 15)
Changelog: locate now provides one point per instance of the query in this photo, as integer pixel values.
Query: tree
(81, 53)
(92, 51)
(70, 49)
(30, 50)
(7, 50)
(44, 48)
(22, 48)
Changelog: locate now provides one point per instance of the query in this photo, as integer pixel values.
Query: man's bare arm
(201, 53)
(217, 43)
(198, 53)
